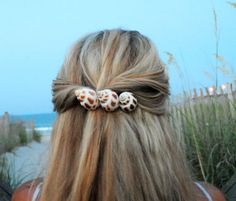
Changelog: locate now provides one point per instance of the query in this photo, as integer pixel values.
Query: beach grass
(12, 135)
(23, 137)
(37, 136)
(8, 175)
(207, 122)
(208, 125)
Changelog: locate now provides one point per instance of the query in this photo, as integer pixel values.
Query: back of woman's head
(114, 156)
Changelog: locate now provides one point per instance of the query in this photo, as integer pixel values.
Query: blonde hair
(115, 156)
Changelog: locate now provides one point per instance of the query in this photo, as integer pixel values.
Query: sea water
(42, 122)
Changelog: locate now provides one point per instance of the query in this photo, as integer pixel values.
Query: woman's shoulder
(204, 189)
(25, 191)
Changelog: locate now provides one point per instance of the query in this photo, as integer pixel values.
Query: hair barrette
(107, 99)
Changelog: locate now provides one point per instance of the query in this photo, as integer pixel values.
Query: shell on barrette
(108, 99)
(127, 101)
(87, 98)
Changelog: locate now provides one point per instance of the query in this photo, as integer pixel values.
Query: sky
(35, 37)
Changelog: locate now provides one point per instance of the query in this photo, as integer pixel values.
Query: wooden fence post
(231, 99)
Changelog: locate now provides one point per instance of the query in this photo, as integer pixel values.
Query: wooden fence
(195, 103)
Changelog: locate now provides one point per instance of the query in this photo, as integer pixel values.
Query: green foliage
(23, 136)
(15, 135)
(36, 136)
(208, 125)
(230, 188)
(209, 129)
(233, 4)
(9, 175)
(10, 144)
(4, 170)
(11, 136)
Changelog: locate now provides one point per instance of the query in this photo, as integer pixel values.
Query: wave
(43, 128)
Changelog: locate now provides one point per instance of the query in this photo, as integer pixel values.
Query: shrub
(37, 136)
(23, 136)
(8, 173)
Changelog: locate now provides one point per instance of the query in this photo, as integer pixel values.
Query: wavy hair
(115, 156)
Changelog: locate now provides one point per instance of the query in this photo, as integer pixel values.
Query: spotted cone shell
(108, 99)
(127, 101)
(87, 98)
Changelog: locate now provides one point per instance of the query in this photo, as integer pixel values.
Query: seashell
(108, 99)
(87, 98)
(127, 101)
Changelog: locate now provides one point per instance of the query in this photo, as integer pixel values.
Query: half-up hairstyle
(114, 156)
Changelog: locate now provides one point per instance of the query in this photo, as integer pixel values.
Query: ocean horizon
(42, 121)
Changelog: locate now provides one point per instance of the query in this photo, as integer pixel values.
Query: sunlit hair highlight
(115, 156)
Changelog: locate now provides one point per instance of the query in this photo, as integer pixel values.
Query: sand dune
(28, 162)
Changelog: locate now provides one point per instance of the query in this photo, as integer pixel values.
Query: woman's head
(119, 60)
(114, 156)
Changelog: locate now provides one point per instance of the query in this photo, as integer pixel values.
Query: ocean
(43, 122)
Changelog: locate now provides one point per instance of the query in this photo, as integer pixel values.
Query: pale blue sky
(35, 36)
